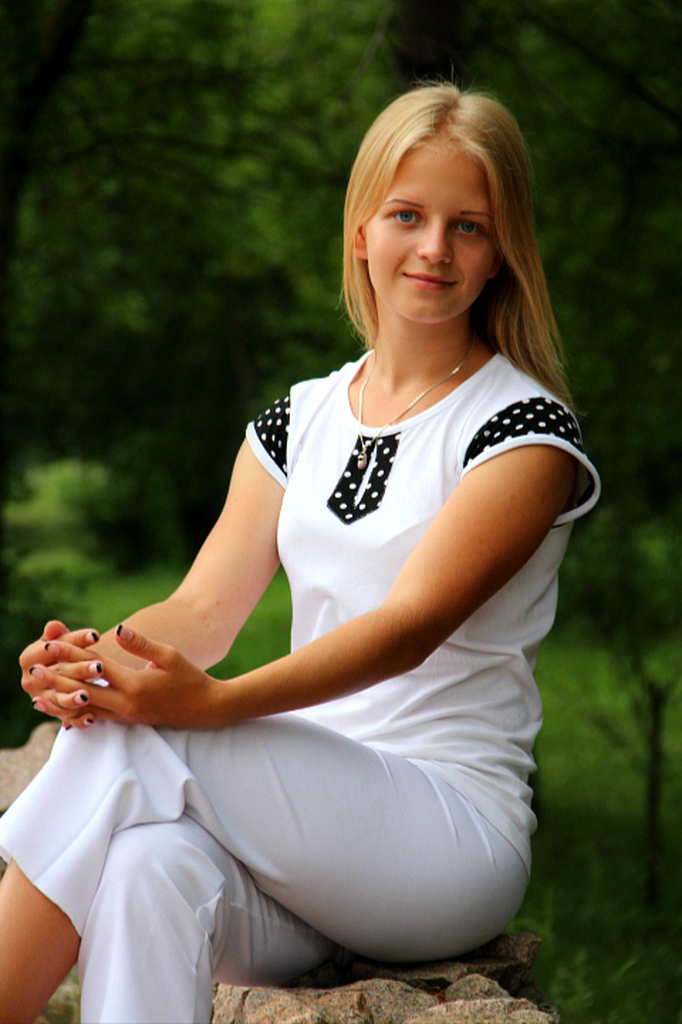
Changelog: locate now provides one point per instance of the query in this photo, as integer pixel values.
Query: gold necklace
(362, 456)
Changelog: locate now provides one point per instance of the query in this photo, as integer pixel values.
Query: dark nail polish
(89, 720)
(83, 698)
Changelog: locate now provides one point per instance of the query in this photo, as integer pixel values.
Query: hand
(57, 642)
(168, 690)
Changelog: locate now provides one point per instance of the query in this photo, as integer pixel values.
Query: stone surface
(473, 990)
(261, 1006)
(484, 1011)
(474, 986)
(19, 765)
(379, 1001)
(508, 960)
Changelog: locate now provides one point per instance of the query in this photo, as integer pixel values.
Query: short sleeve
(268, 437)
(538, 421)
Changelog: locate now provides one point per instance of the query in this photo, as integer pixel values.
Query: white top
(470, 713)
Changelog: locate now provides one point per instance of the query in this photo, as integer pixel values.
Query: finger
(65, 672)
(54, 629)
(45, 652)
(162, 655)
(43, 684)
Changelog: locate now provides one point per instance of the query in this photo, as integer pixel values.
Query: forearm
(364, 651)
(200, 636)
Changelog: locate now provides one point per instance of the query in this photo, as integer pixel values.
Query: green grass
(607, 957)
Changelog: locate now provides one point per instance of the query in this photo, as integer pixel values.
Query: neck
(409, 359)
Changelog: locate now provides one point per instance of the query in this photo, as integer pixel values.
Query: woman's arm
(490, 526)
(203, 616)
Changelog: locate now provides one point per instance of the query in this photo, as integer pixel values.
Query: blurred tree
(179, 236)
(38, 41)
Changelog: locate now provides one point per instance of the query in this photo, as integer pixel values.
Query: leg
(365, 846)
(39, 948)
(171, 904)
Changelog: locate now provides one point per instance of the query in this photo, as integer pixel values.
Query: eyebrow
(406, 202)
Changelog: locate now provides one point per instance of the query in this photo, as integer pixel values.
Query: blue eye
(405, 216)
(468, 227)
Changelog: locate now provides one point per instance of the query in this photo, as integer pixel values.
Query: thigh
(365, 846)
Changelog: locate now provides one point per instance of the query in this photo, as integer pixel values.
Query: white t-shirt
(470, 713)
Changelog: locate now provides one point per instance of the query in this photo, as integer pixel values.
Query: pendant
(362, 460)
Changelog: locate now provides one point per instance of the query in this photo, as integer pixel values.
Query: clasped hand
(67, 679)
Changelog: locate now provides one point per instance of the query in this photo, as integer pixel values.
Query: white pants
(250, 855)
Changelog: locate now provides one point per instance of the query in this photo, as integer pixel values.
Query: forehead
(439, 171)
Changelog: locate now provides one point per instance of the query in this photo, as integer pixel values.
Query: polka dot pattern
(272, 428)
(527, 418)
(360, 492)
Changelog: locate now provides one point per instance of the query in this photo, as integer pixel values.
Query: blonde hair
(513, 314)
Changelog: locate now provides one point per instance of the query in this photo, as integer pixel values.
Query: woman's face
(430, 247)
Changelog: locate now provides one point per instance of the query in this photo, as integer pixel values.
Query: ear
(360, 246)
(497, 263)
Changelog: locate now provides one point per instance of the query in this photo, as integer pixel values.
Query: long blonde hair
(513, 314)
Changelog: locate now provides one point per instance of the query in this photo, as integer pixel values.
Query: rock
(366, 1002)
(474, 986)
(20, 765)
(235, 1005)
(484, 1011)
(508, 960)
(475, 989)
(382, 1002)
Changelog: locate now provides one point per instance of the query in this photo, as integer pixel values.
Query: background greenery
(171, 185)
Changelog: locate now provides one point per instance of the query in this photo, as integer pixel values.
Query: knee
(160, 870)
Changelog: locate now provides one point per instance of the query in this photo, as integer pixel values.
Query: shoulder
(513, 410)
(270, 433)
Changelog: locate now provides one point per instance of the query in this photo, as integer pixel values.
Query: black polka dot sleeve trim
(530, 416)
(272, 430)
(533, 419)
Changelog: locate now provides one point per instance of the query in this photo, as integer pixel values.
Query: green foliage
(179, 235)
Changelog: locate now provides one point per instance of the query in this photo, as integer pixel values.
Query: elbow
(411, 637)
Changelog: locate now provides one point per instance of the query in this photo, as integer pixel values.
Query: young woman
(368, 793)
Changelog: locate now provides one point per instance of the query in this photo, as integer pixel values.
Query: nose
(434, 244)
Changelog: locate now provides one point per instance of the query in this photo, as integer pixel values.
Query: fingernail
(82, 698)
(51, 647)
(89, 720)
(124, 633)
(66, 726)
(93, 636)
(95, 668)
(38, 706)
(36, 671)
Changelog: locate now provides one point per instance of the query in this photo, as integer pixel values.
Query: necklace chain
(362, 457)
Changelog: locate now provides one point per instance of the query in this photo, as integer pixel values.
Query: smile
(429, 282)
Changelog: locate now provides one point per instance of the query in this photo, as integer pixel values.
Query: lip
(430, 282)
